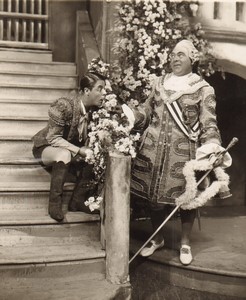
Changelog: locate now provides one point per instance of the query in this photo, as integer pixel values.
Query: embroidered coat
(62, 128)
(165, 148)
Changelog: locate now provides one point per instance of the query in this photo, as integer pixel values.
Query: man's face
(96, 94)
(180, 62)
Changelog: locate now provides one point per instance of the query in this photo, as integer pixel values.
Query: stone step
(10, 149)
(23, 110)
(218, 249)
(38, 68)
(36, 81)
(25, 186)
(41, 217)
(20, 128)
(74, 280)
(31, 94)
(25, 55)
(23, 173)
(27, 203)
(49, 243)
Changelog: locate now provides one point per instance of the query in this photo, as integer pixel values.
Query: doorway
(231, 115)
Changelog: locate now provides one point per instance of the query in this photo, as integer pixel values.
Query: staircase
(39, 258)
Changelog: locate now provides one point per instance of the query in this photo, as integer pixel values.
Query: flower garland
(146, 31)
(192, 198)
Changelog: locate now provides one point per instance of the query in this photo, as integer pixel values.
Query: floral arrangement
(109, 130)
(146, 31)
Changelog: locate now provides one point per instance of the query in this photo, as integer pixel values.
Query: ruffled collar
(179, 83)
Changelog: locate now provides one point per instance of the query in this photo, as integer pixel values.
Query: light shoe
(147, 251)
(185, 255)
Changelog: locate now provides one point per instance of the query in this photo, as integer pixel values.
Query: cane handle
(231, 144)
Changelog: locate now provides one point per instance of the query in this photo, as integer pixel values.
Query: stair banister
(86, 45)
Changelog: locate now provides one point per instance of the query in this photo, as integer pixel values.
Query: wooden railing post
(117, 217)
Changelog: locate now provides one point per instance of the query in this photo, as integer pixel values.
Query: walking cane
(216, 158)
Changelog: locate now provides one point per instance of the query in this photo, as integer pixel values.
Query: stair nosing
(16, 138)
(38, 186)
(42, 87)
(25, 50)
(26, 101)
(53, 63)
(20, 73)
(19, 118)
(19, 161)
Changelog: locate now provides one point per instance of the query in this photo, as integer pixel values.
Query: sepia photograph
(122, 159)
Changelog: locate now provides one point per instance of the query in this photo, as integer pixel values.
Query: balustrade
(24, 23)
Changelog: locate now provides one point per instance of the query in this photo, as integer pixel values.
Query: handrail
(15, 15)
(86, 46)
(28, 45)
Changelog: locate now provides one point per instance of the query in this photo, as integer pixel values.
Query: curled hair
(195, 67)
(89, 80)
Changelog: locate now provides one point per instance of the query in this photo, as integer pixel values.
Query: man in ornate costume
(62, 143)
(180, 120)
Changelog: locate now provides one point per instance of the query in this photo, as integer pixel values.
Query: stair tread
(49, 243)
(76, 280)
(41, 217)
(15, 138)
(26, 50)
(29, 86)
(23, 118)
(34, 74)
(27, 101)
(20, 186)
(210, 248)
(30, 160)
(53, 63)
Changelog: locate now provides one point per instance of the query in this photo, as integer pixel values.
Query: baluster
(32, 22)
(17, 21)
(9, 22)
(46, 21)
(1, 21)
(39, 23)
(24, 27)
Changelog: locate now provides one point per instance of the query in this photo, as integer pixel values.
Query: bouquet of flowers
(109, 130)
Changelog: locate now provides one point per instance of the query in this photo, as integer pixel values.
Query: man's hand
(83, 150)
(216, 160)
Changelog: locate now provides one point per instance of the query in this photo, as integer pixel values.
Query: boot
(84, 188)
(58, 176)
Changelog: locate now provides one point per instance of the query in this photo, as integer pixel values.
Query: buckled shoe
(147, 251)
(185, 255)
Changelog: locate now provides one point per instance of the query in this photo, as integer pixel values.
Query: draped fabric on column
(24, 23)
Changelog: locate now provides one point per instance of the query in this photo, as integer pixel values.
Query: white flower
(93, 203)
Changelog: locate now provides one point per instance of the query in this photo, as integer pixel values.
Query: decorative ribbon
(192, 131)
